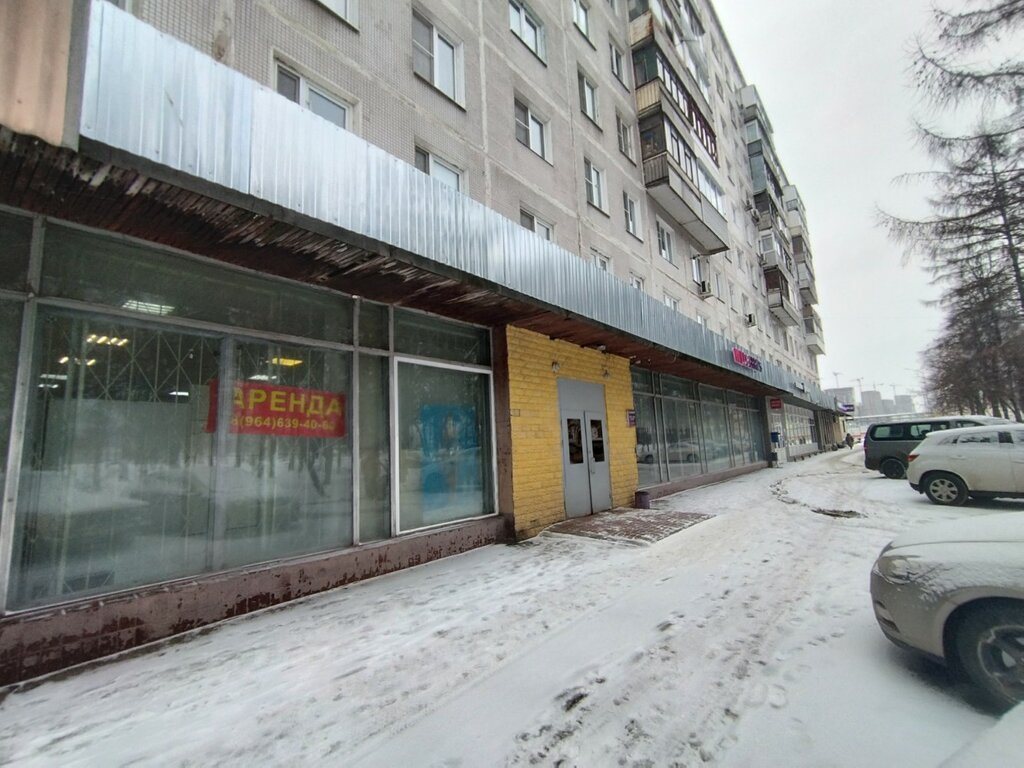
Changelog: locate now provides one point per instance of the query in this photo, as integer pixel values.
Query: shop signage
(775, 403)
(847, 407)
(270, 409)
(746, 360)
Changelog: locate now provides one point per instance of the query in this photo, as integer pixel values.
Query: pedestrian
(849, 440)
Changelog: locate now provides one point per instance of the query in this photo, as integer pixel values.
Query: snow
(745, 640)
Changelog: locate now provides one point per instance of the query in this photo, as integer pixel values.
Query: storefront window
(10, 331)
(373, 325)
(648, 444)
(682, 435)
(374, 450)
(15, 242)
(717, 445)
(124, 275)
(427, 336)
(118, 463)
(286, 484)
(445, 449)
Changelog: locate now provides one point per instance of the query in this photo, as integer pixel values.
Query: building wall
(369, 63)
(538, 496)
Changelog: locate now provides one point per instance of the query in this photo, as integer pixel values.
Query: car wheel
(990, 647)
(945, 489)
(893, 469)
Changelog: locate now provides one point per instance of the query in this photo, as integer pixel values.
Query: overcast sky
(833, 76)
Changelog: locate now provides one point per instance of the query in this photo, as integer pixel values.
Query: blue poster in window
(451, 457)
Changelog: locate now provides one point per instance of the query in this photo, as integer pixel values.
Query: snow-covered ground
(746, 640)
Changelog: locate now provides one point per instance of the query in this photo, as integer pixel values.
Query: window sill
(592, 121)
(534, 53)
(584, 35)
(635, 236)
(599, 209)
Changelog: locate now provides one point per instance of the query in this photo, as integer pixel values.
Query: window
(664, 241)
(530, 130)
(588, 96)
(697, 269)
(616, 61)
(581, 17)
(631, 210)
(435, 58)
(593, 177)
(536, 225)
(672, 303)
(603, 262)
(343, 9)
(526, 26)
(635, 281)
(296, 88)
(624, 130)
(439, 169)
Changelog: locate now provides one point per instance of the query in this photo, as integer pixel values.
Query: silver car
(954, 591)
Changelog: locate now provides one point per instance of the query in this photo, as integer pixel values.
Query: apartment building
(306, 291)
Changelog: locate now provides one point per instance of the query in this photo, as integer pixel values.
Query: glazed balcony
(813, 336)
(805, 282)
(672, 190)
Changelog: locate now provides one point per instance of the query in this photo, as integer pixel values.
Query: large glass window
(286, 483)
(15, 240)
(444, 445)
(374, 449)
(118, 465)
(10, 331)
(428, 336)
(109, 271)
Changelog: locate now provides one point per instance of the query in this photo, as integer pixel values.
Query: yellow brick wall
(537, 493)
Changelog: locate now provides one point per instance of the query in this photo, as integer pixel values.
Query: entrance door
(584, 449)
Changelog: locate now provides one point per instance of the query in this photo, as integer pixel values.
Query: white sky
(834, 79)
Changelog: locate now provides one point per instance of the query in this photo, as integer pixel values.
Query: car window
(966, 423)
(920, 430)
(978, 437)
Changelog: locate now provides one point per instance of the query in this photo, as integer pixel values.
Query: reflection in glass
(374, 449)
(574, 440)
(717, 448)
(117, 469)
(682, 436)
(597, 439)
(286, 487)
(445, 451)
(648, 446)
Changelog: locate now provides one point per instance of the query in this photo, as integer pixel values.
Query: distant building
(871, 403)
(842, 394)
(905, 404)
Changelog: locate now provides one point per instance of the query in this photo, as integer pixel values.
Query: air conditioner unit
(705, 289)
(751, 321)
(754, 213)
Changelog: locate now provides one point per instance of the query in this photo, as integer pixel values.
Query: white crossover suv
(978, 462)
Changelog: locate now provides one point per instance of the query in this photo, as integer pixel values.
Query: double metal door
(585, 462)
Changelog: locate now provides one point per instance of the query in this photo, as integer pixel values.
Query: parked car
(887, 443)
(979, 462)
(954, 591)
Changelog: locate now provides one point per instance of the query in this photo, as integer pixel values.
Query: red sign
(775, 403)
(271, 409)
(740, 357)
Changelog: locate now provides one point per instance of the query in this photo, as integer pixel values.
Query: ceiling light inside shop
(148, 307)
(287, 362)
(176, 393)
(262, 377)
(77, 361)
(49, 386)
(54, 376)
(112, 341)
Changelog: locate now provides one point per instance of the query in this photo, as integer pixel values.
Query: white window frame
(532, 120)
(305, 88)
(602, 261)
(537, 225)
(520, 17)
(433, 161)
(588, 95)
(347, 10)
(697, 269)
(581, 17)
(665, 249)
(617, 62)
(631, 213)
(624, 132)
(457, 93)
(671, 302)
(593, 178)
(635, 281)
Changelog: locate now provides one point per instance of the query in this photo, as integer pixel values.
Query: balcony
(805, 281)
(813, 336)
(783, 307)
(674, 192)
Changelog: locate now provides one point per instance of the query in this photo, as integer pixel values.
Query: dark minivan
(887, 443)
